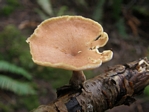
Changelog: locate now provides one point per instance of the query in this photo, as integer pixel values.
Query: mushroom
(71, 43)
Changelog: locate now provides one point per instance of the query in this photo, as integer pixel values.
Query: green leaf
(5, 66)
(146, 90)
(142, 10)
(98, 12)
(117, 5)
(122, 28)
(20, 88)
(46, 6)
(62, 10)
(42, 15)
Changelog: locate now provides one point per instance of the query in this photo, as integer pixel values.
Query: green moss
(9, 7)
(14, 48)
(57, 77)
(13, 2)
(29, 102)
(5, 108)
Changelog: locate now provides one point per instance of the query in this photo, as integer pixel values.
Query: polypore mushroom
(71, 43)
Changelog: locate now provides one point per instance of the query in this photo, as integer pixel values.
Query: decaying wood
(117, 86)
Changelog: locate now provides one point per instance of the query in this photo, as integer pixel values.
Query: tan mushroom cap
(69, 42)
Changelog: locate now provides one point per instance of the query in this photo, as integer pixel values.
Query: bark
(118, 85)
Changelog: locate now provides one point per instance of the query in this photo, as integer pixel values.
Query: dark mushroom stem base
(77, 79)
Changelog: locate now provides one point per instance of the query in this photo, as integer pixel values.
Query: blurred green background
(25, 85)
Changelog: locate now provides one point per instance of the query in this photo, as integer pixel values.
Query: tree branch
(116, 86)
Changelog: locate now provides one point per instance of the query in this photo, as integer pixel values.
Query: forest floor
(125, 49)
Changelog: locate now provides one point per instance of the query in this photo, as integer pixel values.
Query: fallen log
(118, 85)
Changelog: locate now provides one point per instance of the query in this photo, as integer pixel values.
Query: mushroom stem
(77, 79)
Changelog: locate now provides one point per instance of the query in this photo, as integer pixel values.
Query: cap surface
(69, 42)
